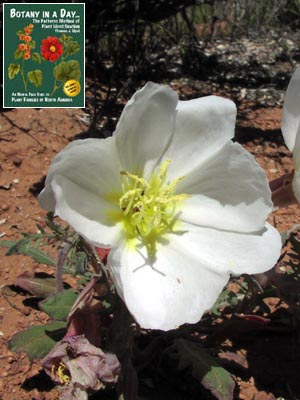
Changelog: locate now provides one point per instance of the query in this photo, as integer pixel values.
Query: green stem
(55, 87)
(23, 76)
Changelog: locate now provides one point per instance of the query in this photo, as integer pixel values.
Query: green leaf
(40, 286)
(64, 38)
(20, 32)
(35, 77)
(18, 54)
(67, 70)
(71, 47)
(226, 299)
(205, 369)
(59, 305)
(36, 57)
(29, 245)
(37, 341)
(25, 247)
(81, 262)
(7, 243)
(13, 70)
(76, 262)
(39, 256)
(31, 44)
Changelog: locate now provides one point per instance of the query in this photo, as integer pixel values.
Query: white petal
(145, 127)
(80, 180)
(92, 164)
(231, 252)
(189, 272)
(202, 127)
(87, 213)
(176, 289)
(296, 185)
(296, 151)
(291, 111)
(230, 192)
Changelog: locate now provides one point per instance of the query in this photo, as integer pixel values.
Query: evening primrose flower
(180, 205)
(286, 189)
(79, 367)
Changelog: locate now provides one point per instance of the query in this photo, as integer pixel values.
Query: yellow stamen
(52, 49)
(149, 206)
(61, 371)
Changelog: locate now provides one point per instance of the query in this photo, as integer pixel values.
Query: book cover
(43, 60)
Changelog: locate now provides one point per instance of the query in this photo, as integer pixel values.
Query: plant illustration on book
(52, 49)
(24, 52)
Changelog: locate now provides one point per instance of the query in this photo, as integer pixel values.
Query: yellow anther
(149, 206)
(60, 372)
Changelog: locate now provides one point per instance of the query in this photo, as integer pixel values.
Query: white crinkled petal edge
(189, 273)
(202, 127)
(229, 192)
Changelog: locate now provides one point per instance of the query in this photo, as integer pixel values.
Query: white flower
(286, 188)
(181, 206)
(290, 126)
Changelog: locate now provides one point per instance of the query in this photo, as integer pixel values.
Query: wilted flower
(51, 48)
(181, 206)
(79, 366)
(286, 189)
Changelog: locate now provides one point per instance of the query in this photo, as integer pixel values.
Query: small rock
(16, 181)
(6, 186)
(26, 311)
(17, 161)
(4, 207)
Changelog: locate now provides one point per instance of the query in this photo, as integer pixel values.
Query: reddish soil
(29, 139)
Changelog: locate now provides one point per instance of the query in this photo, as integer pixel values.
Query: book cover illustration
(43, 60)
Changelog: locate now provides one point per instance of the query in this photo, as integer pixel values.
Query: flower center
(149, 206)
(61, 372)
(52, 48)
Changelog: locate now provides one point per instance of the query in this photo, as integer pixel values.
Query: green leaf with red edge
(59, 305)
(38, 340)
(205, 369)
(37, 286)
